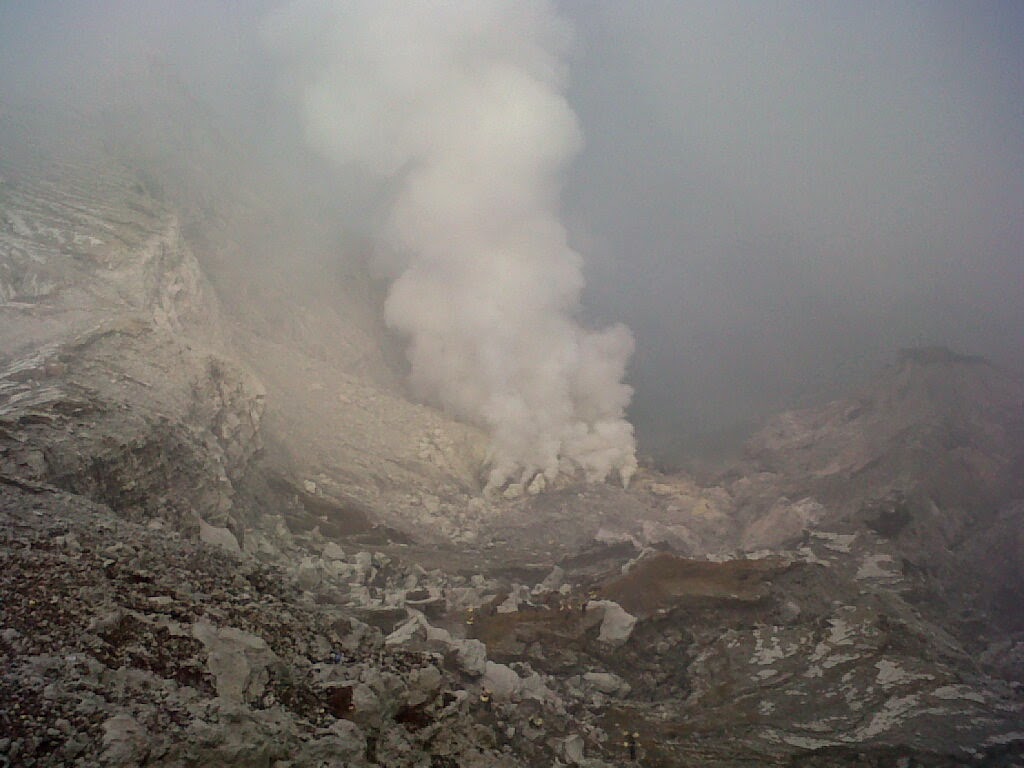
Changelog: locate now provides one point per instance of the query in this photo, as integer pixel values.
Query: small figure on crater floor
(631, 741)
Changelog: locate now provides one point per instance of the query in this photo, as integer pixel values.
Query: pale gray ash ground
(230, 537)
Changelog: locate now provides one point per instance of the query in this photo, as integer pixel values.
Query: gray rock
(125, 742)
(424, 684)
(471, 656)
(606, 682)
(343, 744)
(501, 680)
(217, 536)
(553, 580)
(616, 625)
(364, 566)
(413, 628)
(238, 661)
(310, 573)
(570, 749)
(333, 551)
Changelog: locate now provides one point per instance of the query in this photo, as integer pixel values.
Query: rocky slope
(129, 643)
(115, 381)
(930, 457)
(169, 304)
(229, 537)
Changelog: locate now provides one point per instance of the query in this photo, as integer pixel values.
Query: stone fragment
(514, 491)
(406, 632)
(124, 741)
(501, 680)
(310, 573)
(570, 749)
(424, 683)
(217, 536)
(343, 744)
(333, 551)
(472, 657)
(553, 580)
(605, 682)
(238, 661)
(617, 624)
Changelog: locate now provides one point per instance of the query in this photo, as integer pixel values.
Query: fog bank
(773, 197)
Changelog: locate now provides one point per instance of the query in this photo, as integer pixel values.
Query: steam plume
(461, 103)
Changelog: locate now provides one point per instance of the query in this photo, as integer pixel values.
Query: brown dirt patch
(666, 581)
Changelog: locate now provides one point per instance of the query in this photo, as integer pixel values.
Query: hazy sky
(773, 196)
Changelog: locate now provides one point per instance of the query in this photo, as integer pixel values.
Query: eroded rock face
(150, 322)
(928, 457)
(945, 425)
(115, 382)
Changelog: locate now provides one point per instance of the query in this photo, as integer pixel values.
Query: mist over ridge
(773, 199)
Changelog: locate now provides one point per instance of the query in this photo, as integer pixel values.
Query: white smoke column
(461, 103)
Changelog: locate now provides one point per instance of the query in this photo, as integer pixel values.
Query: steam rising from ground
(461, 104)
